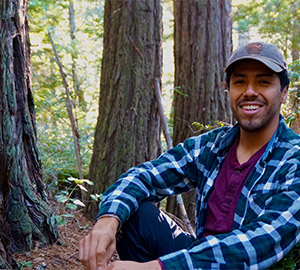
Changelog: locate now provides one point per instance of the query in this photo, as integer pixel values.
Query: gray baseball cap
(266, 53)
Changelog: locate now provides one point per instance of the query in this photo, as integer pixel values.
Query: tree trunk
(202, 44)
(128, 126)
(6, 261)
(31, 221)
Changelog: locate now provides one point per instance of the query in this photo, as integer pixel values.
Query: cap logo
(254, 48)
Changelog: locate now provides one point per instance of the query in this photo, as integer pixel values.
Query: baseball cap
(266, 53)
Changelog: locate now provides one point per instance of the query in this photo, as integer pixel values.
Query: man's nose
(250, 90)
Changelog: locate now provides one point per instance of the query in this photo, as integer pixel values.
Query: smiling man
(247, 179)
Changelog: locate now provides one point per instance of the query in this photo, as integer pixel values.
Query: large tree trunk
(28, 214)
(6, 261)
(202, 44)
(128, 127)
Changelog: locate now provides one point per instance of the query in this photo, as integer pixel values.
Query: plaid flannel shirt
(267, 217)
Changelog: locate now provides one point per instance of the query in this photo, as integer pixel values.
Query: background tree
(27, 212)
(77, 29)
(202, 44)
(128, 127)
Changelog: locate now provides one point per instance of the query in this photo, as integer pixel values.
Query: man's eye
(265, 82)
(238, 82)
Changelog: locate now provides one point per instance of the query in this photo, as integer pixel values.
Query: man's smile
(250, 106)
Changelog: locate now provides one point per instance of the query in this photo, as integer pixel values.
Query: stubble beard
(252, 124)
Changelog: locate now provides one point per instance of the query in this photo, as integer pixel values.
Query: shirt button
(228, 200)
(237, 171)
(232, 187)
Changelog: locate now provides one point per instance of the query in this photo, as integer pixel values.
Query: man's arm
(174, 172)
(128, 265)
(96, 249)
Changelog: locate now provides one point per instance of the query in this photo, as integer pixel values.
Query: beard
(254, 123)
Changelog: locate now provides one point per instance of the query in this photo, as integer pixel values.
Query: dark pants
(149, 234)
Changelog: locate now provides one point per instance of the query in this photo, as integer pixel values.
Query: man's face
(255, 96)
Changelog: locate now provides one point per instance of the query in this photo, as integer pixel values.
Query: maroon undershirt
(227, 188)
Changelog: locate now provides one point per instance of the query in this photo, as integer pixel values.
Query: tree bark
(128, 126)
(6, 260)
(202, 44)
(31, 221)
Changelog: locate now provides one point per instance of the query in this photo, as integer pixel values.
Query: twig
(69, 110)
(163, 122)
(70, 256)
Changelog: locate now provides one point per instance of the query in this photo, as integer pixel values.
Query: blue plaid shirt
(267, 218)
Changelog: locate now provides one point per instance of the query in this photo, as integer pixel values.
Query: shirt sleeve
(173, 172)
(256, 245)
(161, 265)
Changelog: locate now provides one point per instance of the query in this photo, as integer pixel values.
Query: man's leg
(150, 233)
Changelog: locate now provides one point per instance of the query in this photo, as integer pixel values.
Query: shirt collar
(277, 137)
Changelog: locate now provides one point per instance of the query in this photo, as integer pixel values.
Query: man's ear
(284, 94)
(225, 86)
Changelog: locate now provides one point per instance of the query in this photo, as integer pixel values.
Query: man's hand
(128, 265)
(96, 249)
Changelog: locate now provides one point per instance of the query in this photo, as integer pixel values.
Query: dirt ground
(64, 254)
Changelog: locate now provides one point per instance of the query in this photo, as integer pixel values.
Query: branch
(69, 110)
(163, 122)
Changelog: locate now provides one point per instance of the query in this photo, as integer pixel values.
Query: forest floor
(64, 254)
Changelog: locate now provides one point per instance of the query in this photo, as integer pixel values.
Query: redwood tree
(24, 208)
(128, 126)
(202, 44)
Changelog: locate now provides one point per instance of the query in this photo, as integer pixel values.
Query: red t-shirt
(227, 188)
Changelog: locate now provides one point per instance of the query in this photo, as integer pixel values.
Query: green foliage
(55, 141)
(68, 202)
(177, 90)
(206, 128)
(291, 261)
(292, 110)
(25, 264)
(56, 147)
(277, 21)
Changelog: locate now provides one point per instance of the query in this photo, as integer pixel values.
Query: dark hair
(283, 77)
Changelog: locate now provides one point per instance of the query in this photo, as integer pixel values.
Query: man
(247, 179)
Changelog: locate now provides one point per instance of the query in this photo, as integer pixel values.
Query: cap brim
(275, 67)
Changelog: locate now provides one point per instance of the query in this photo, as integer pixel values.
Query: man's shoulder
(287, 135)
(288, 144)
(216, 138)
(214, 133)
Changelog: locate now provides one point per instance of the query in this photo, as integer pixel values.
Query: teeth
(251, 107)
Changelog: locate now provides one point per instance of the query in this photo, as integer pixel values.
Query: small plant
(25, 264)
(177, 90)
(65, 199)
